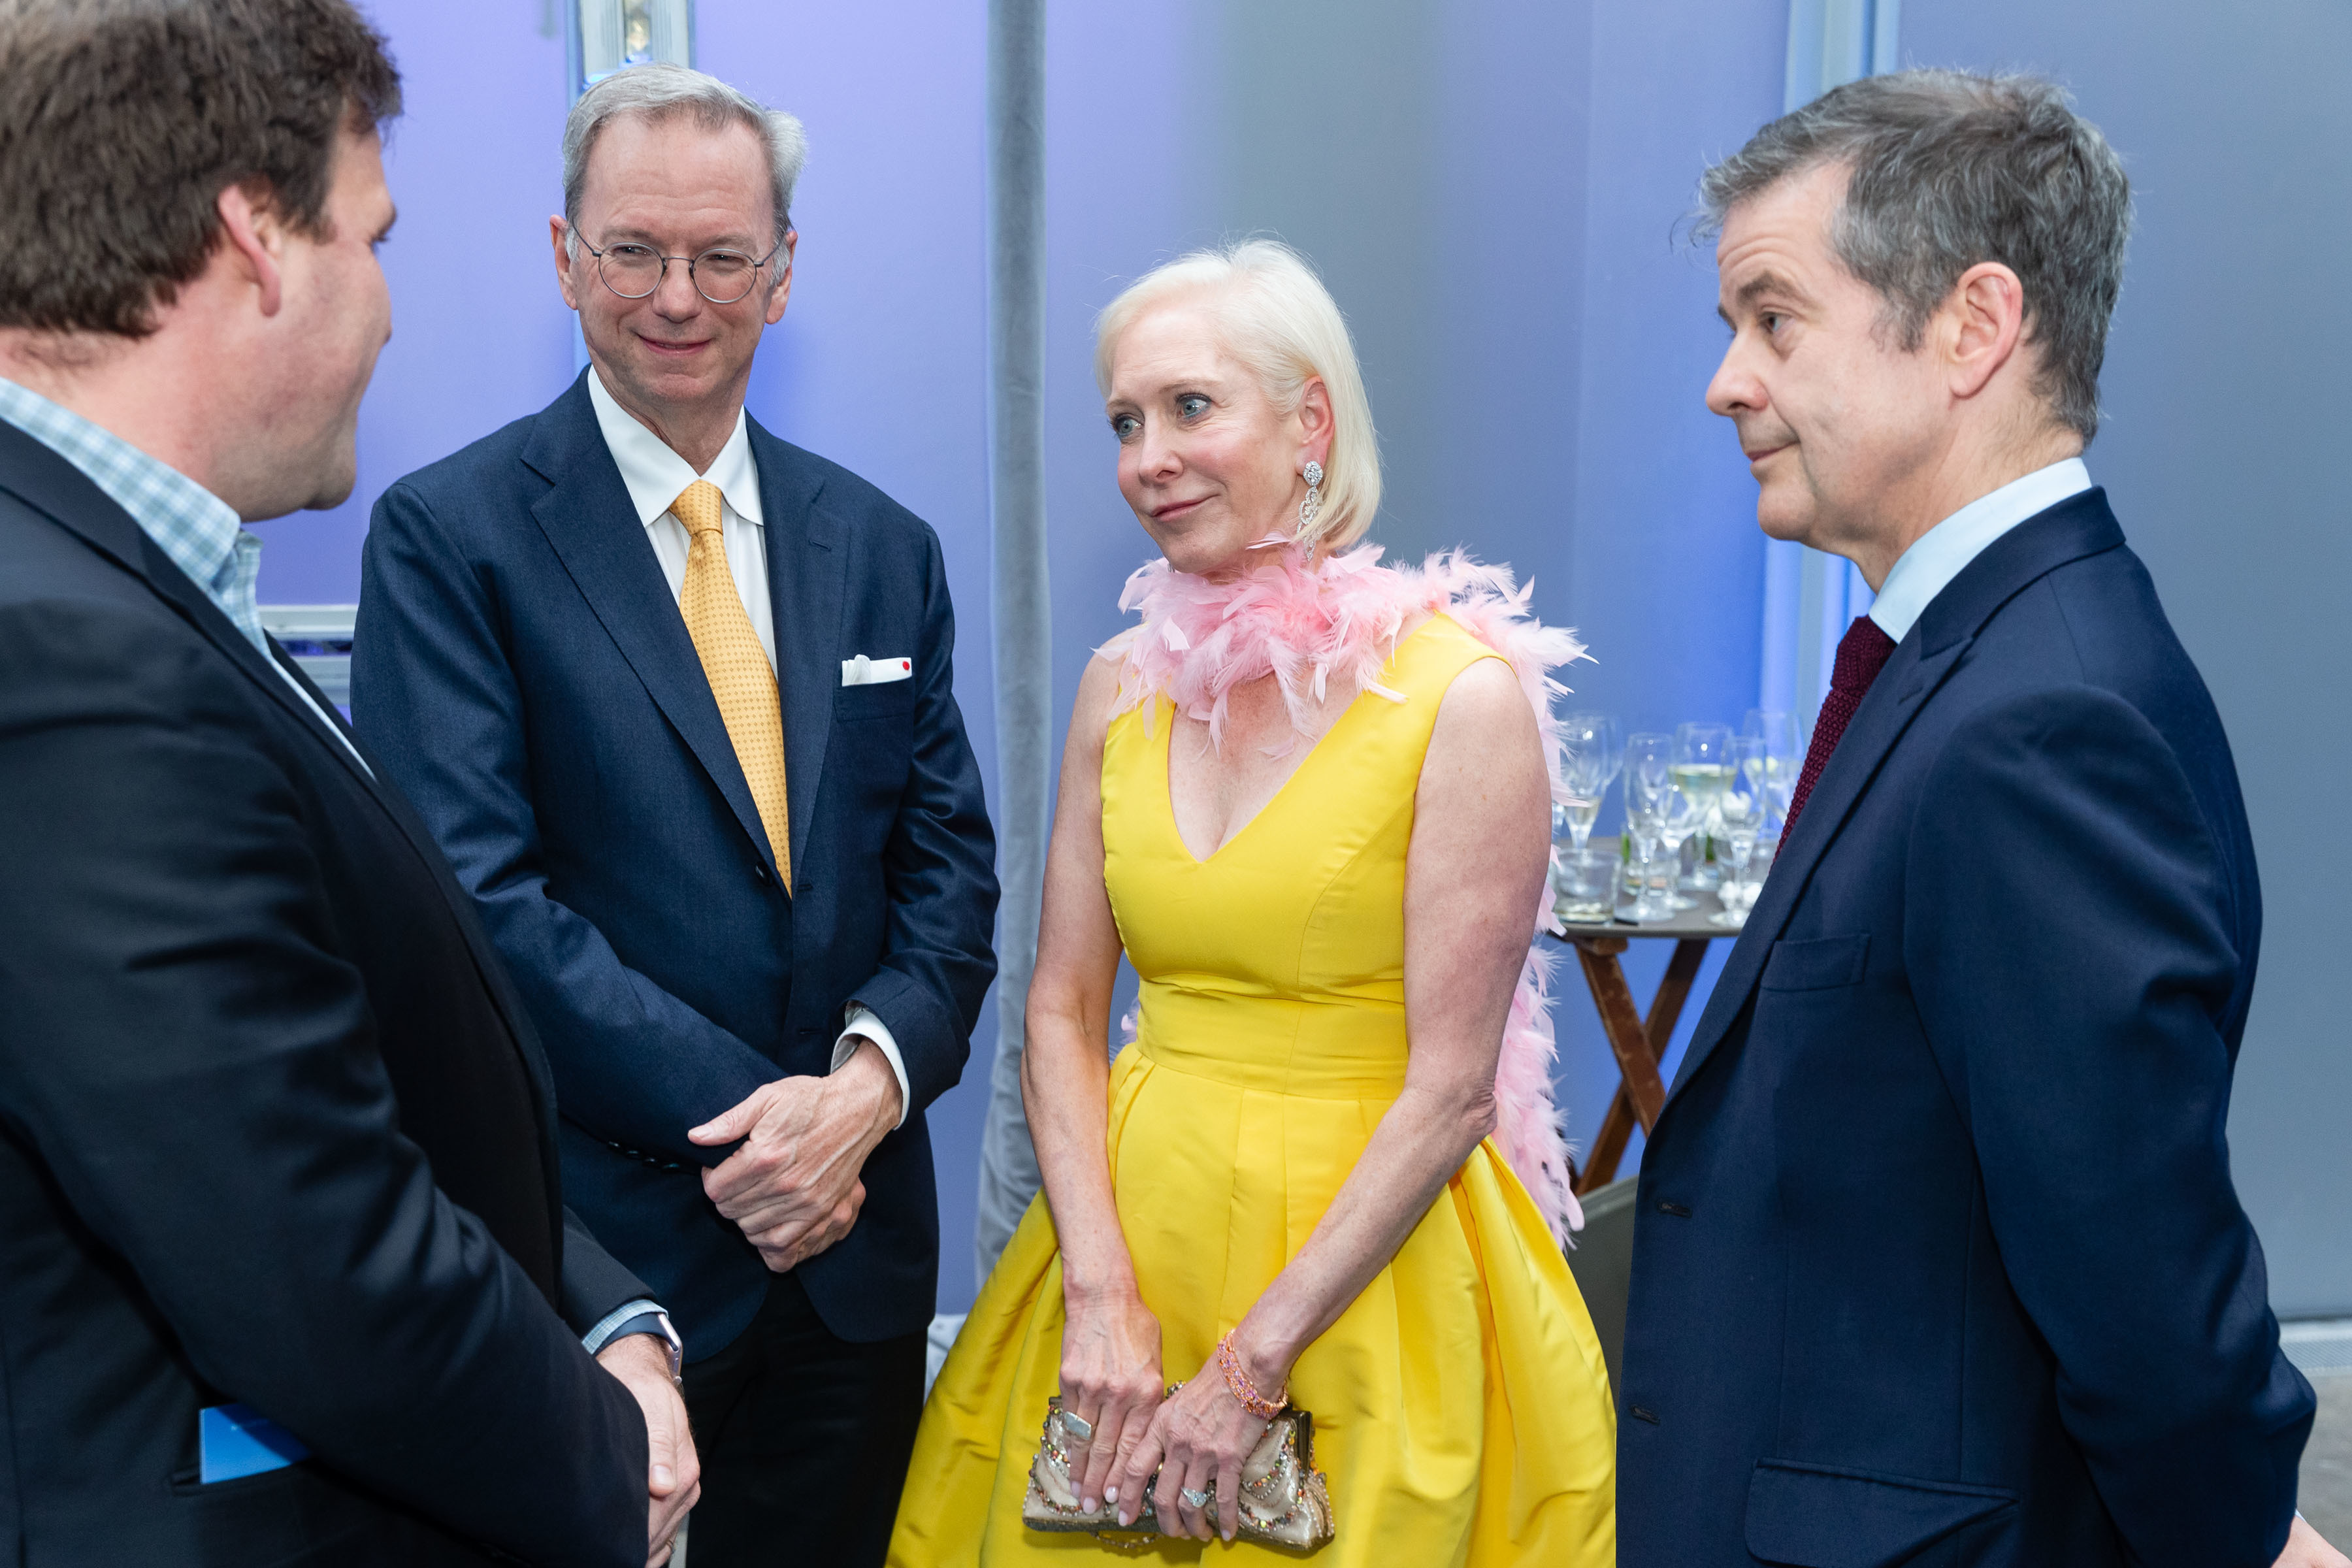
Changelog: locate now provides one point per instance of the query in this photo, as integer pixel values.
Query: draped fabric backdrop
(1495, 191)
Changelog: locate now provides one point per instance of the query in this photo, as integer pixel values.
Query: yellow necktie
(735, 665)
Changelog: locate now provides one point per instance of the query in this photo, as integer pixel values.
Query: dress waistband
(1339, 1046)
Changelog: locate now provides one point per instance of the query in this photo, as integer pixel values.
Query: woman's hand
(1197, 1440)
(1110, 1379)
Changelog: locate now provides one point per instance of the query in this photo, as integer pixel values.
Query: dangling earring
(1313, 505)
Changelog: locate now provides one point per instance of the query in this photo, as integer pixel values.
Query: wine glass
(1701, 772)
(1590, 754)
(1783, 756)
(1649, 792)
(1741, 811)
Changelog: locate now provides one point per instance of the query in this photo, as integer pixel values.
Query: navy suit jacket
(1938, 1259)
(523, 672)
(274, 1128)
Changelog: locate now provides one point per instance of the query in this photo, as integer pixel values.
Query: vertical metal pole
(1021, 604)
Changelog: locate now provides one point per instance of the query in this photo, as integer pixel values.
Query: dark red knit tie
(1861, 654)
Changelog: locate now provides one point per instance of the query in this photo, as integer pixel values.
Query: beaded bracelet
(1237, 1382)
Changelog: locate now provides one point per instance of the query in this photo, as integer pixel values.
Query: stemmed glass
(1590, 754)
(1702, 774)
(1782, 756)
(1649, 795)
(1741, 811)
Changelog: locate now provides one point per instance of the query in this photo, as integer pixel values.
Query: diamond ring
(1077, 1426)
(1195, 1499)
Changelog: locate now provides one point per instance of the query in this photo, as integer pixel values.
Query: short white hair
(1275, 317)
(660, 90)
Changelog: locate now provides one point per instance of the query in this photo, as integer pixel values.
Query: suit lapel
(592, 527)
(2079, 526)
(68, 496)
(807, 570)
(1895, 698)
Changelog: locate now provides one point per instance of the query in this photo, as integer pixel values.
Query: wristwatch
(655, 1323)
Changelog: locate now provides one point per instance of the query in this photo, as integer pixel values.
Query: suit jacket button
(1638, 1414)
(759, 871)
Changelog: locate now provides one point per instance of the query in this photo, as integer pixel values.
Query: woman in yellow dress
(1308, 798)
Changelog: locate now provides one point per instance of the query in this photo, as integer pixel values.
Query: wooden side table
(1638, 1039)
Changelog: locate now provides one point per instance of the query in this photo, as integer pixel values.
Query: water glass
(1741, 813)
(1588, 883)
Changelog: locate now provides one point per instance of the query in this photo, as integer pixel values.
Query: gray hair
(659, 91)
(1948, 170)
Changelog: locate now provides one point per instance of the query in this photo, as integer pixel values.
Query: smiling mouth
(1762, 453)
(1175, 508)
(661, 347)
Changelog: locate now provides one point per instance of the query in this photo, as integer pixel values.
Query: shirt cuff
(864, 1024)
(597, 1338)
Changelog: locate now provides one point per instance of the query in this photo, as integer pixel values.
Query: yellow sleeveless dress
(1461, 1407)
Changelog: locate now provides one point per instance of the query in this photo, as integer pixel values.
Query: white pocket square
(864, 671)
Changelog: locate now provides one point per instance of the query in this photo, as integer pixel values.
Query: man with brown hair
(285, 1272)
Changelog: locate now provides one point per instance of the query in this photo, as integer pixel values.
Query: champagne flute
(1741, 811)
(1649, 790)
(1702, 774)
(1783, 756)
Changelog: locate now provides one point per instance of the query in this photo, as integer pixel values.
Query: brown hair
(123, 121)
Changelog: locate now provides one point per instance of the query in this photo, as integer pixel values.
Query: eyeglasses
(634, 271)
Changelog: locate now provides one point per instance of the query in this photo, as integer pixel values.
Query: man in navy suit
(1938, 1259)
(677, 701)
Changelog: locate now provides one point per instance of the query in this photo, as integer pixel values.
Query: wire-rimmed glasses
(719, 275)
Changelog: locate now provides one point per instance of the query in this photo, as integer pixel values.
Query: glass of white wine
(1702, 772)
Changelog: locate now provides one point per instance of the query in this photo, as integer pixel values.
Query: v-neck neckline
(1167, 763)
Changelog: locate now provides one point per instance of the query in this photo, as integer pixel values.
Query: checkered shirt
(200, 531)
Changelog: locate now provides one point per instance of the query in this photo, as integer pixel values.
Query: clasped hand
(673, 1472)
(1196, 1440)
(793, 1186)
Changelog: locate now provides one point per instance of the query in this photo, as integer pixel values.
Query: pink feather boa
(1313, 624)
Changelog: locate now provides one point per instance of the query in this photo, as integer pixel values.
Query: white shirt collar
(1941, 553)
(656, 476)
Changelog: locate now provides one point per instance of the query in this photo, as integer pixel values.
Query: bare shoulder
(1484, 704)
(1098, 696)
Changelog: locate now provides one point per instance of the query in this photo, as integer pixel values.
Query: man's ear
(256, 238)
(1984, 323)
(781, 293)
(556, 231)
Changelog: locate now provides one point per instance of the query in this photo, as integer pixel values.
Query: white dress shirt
(656, 477)
(1941, 553)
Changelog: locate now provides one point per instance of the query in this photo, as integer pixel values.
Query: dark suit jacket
(1939, 1260)
(273, 1126)
(522, 670)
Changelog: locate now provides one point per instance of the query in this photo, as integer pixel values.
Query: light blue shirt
(206, 539)
(1941, 553)
(201, 532)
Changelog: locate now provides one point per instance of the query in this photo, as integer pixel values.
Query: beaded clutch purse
(1285, 1501)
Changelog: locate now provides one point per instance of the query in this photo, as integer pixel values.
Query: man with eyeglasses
(677, 700)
